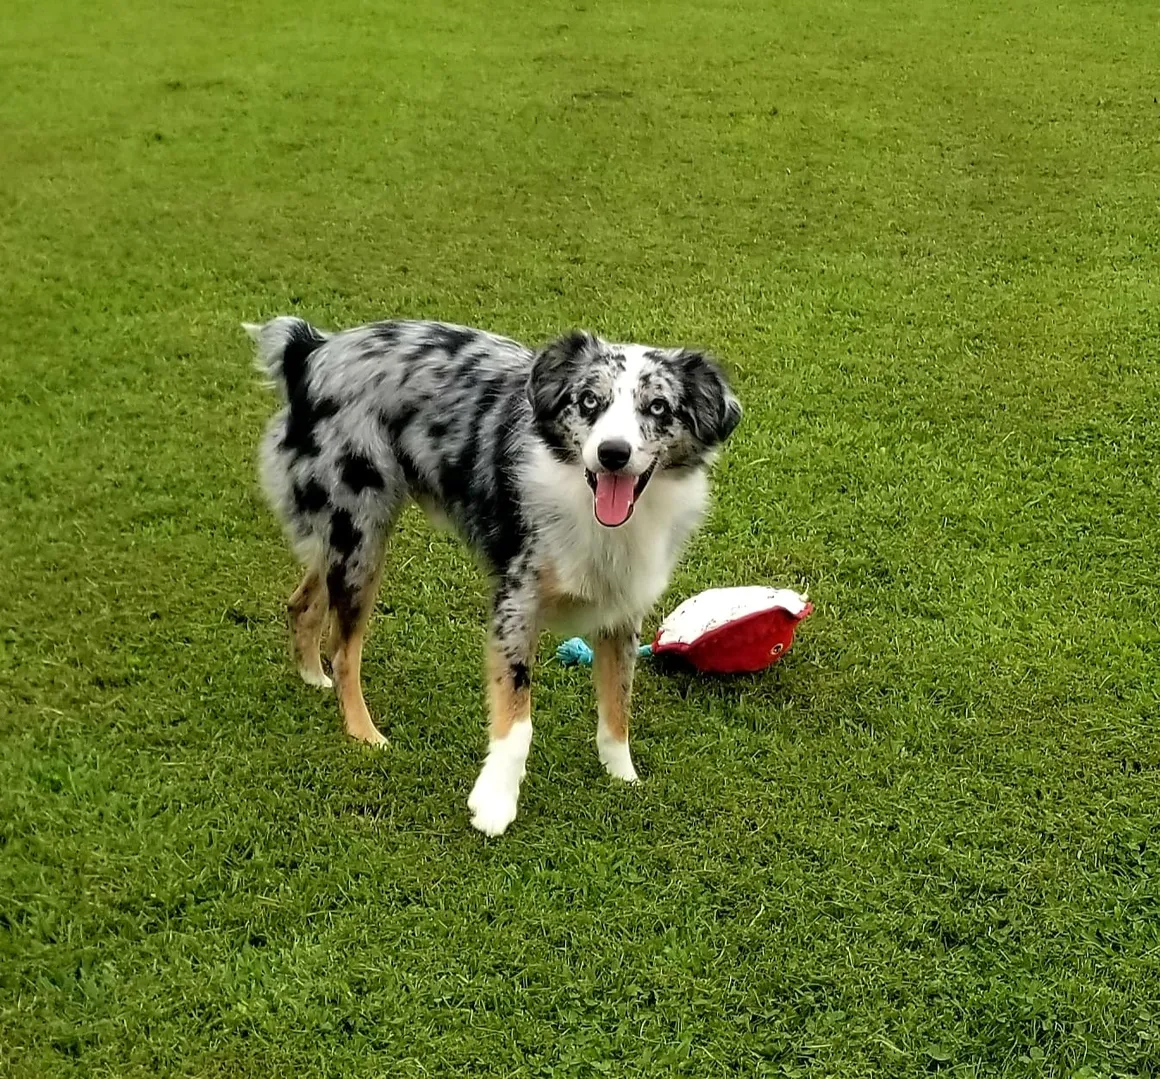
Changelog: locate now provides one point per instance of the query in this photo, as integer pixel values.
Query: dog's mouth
(614, 494)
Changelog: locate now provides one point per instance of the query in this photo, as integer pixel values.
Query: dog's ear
(712, 407)
(549, 382)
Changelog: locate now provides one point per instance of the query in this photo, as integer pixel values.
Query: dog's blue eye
(659, 408)
(588, 402)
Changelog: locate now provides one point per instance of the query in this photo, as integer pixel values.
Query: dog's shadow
(690, 683)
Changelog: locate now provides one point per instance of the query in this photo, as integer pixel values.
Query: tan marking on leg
(348, 677)
(346, 660)
(307, 609)
(613, 677)
(494, 799)
(613, 663)
(507, 703)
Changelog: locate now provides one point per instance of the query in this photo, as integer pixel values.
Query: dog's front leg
(510, 647)
(613, 663)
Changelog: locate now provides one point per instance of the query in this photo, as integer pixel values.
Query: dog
(577, 472)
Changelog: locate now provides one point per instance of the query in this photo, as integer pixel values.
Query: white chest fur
(611, 576)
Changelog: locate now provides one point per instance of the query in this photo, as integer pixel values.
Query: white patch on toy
(717, 607)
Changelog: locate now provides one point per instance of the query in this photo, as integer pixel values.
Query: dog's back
(388, 410)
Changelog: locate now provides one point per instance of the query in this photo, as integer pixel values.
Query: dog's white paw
(495, 796)
(369, 736)
(615, 757)
(493, 803)
(621, 768)
(316, 678)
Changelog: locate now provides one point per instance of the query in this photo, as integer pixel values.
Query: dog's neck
(617, 574)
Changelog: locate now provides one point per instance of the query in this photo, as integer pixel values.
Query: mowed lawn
(923, 237)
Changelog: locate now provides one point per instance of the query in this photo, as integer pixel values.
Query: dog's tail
(284, 345)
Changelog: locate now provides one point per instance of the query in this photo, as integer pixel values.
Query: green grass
(923, 236)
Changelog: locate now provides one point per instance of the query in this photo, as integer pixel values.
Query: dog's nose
(614, 453)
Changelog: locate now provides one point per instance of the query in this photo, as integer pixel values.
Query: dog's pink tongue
(613, 498)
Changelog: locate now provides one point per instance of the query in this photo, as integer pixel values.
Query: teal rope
(576, 652)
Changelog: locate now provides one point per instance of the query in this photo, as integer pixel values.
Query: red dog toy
(721, 631)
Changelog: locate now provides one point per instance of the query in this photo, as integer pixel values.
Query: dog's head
(626, 412)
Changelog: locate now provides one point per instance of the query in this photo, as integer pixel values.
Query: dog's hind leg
(495, 797)
(352, 600)
(354, 558)
(307, 609)
(302, 504)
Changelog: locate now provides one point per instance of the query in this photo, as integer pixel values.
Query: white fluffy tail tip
(253, 329)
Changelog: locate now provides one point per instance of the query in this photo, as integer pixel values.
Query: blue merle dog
(577, 472)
